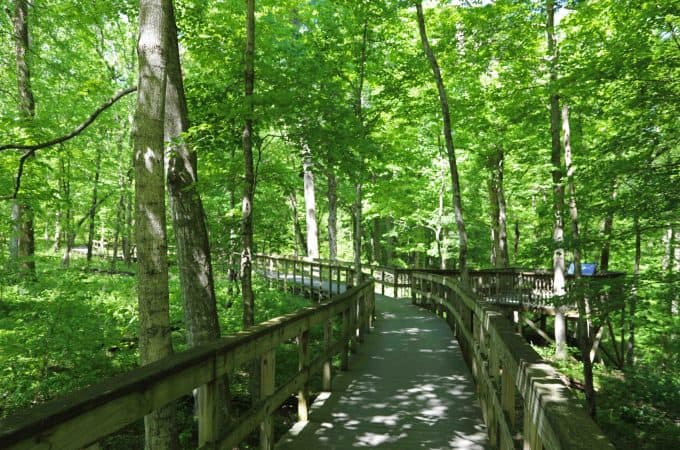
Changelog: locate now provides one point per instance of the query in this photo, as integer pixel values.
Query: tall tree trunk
(607, 228)
(249, 181)
(448, 138)
(503, 256)
(356, 222)
(494, 213)
(558, 189)
(150, 228)
(191, 232)
(22, 246)
(310, 203)
(332, 216)
(69, 230)
(585, 337)
(300, 240)
(93, 208)
(516, 243)
(630, 345)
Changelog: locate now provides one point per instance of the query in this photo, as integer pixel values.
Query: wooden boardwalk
(407, 388)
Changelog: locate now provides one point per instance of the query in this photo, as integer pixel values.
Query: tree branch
(31, 148)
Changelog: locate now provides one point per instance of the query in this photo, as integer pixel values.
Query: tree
(448, 139)
(150, 228)
(249, 181)
(191, 237)
(22, 246)
(558, 188)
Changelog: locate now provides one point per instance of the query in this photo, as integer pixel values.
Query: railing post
(326, 375)
(285, 275)
(346, 326)
(208, 413)
(508, 396)
(303, 365)
(267, 374)
(530, 431)
(382, 282)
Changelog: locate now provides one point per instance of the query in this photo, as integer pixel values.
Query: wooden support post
(326, 375)
(530, 432)
(303, 365)
(267, 374)
(508, 396)
(337, 284)
(344, 356)
(382, 282)
(208, 413)
(361, 314)
(285, 275)
(294, 275)
(353, 326)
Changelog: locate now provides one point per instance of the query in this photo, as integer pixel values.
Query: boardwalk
(407, 388)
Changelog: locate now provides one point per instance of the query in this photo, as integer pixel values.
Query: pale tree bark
(249, 179)
(584, 332)
(22, 244)
(503, 256)
(332, 195)
(558, 189)
(93, 207)
(191, 236)
(300, 240)
(310, 203)
(448, 138)
(150, 228)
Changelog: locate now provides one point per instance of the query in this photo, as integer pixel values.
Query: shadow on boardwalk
(407, 388)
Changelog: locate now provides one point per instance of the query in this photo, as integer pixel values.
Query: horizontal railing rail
(507, 369)
(83, 418)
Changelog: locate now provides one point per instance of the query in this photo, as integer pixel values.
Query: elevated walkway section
(407, 388)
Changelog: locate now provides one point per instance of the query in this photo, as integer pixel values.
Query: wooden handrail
(82, 418)
(504, 365)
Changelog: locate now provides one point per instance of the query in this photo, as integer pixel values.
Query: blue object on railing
(587, 269)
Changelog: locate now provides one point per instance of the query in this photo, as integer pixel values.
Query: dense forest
(172, 140)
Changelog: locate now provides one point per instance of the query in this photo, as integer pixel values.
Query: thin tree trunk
(249, 181)
(356, 221)
(607, 228)
(516, 243)
(301, 241)
(191, 232)
(93, 208)
(22, 246)
(448, 138)
(310, 203)
(630, 345)
(494, 213)
(558, 189)
(503, 256)
(332, 216)
(585, 338)
(150, 229)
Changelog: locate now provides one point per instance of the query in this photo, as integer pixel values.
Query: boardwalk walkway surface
(407, 388)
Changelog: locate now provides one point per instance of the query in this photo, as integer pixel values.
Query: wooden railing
(524, 402)
(83, 418)
(394, 281)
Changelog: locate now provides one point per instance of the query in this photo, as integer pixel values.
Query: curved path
(407, 388)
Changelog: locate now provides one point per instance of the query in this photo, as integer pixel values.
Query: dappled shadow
(407, 388)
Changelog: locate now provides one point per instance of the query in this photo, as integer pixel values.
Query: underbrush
(75, 326)
(638, 408)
